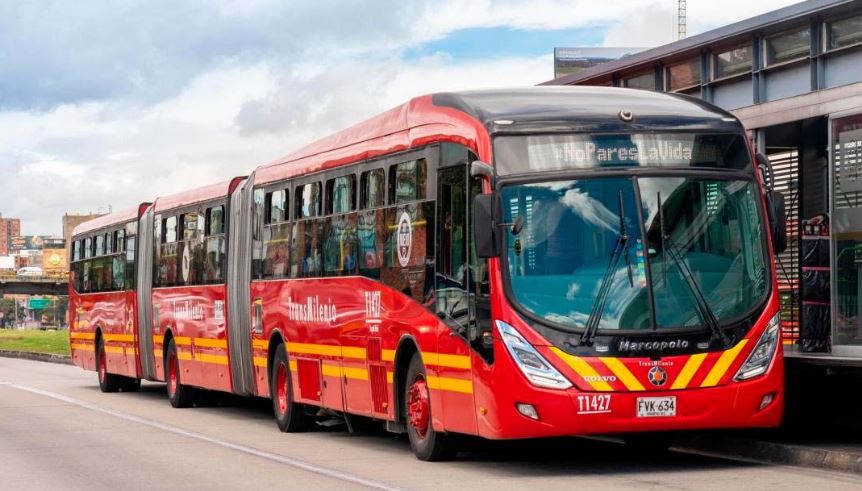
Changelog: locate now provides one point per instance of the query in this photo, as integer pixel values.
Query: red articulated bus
(505, 263)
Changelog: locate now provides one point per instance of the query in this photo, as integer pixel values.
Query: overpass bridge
(46, 284)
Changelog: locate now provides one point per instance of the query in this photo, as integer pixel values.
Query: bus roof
(197, 195)
(115, 218)
(471, 117)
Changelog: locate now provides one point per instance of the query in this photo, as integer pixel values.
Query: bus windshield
(695, 244)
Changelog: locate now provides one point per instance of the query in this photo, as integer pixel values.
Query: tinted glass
(308, 200)
(277, 206)
(373, 188)
(787, 47)
(572, 230)
(732, 62)
(216, 220)
(407, 181)
(684, 74)
(170, 234)
(845, 32)
(642, 81)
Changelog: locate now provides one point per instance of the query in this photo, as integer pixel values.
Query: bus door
(453, 360)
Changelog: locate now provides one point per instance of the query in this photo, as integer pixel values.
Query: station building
(794, 78)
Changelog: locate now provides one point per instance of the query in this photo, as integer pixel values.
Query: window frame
(764, 48)
(329, 194)
(363, 194)
(393, 170)
(299, 200)
(668, 80)
(826, 28)
(634, 75)
(714, 62)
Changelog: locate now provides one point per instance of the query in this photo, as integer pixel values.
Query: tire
(131, 385)
(178, 394)
(290, 416)
(108, 382)
(426, 443)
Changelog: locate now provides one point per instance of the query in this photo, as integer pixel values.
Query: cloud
(114, 103)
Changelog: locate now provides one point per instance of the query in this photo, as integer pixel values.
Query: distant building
(9, 228)
(568, 61)
(72, 220)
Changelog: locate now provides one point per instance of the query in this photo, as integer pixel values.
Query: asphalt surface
(57, 431)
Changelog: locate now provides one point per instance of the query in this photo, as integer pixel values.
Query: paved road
(57, 431)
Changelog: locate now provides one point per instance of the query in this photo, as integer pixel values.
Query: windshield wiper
(620, 248)
(706, 313)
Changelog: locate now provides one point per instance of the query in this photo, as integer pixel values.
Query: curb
(774, 453)
(46, 357)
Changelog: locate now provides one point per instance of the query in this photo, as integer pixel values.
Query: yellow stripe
(184, 356)
(330, 370)
(210, 343)
(114, 349)
(81, 346)
(314, 349)
(182, 341)
(216, 359)
(259, 361)
(123, 338)
(622, 373)
(157, 353)
(355, 373)
(292, 365)
(390, 377)
(259, 344)
(387, 355)
(450, 384)
(688, 371)
(583, 369)
(353, 352)
(448, 361)
(82, 335)
(722, 364)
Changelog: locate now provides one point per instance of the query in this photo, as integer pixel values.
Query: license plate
(656, 407)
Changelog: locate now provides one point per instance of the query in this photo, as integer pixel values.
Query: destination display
(517, 154)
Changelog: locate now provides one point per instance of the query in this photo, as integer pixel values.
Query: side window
(88, 247)
(130, 263)
(276, 204)
(373, 189)
(76, 250)
(119, 240)
(340, 195)
(109, 245)
(170, 230)
(452, 270)
(100, 245)
(308, 200)
(191, 225)
(407, 181)
(215, 220)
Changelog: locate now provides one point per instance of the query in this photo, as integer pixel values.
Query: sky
(107, 104)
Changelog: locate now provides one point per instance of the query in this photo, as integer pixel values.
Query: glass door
(846, 168)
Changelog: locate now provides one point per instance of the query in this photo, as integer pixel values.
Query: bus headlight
(762, 354)
(532, 364)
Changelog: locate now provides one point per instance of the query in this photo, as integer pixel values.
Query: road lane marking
(299, 464)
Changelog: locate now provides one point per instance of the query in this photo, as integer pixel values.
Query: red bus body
(349, 337)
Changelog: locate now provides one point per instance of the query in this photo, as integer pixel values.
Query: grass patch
(34, 341)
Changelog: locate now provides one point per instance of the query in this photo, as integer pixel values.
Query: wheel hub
(418, 408)
(172, 374)
(281, 388)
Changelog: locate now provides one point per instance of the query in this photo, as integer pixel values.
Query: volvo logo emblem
(657, 376)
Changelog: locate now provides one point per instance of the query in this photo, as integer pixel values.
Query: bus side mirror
(484, 226)
(777, 220)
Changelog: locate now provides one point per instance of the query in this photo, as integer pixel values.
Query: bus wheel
(290, 416)
(131, 385)
(108, 382)
(179, 394)
(426, 443)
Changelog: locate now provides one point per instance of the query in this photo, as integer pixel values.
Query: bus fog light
(767, 400)
(527, 410)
